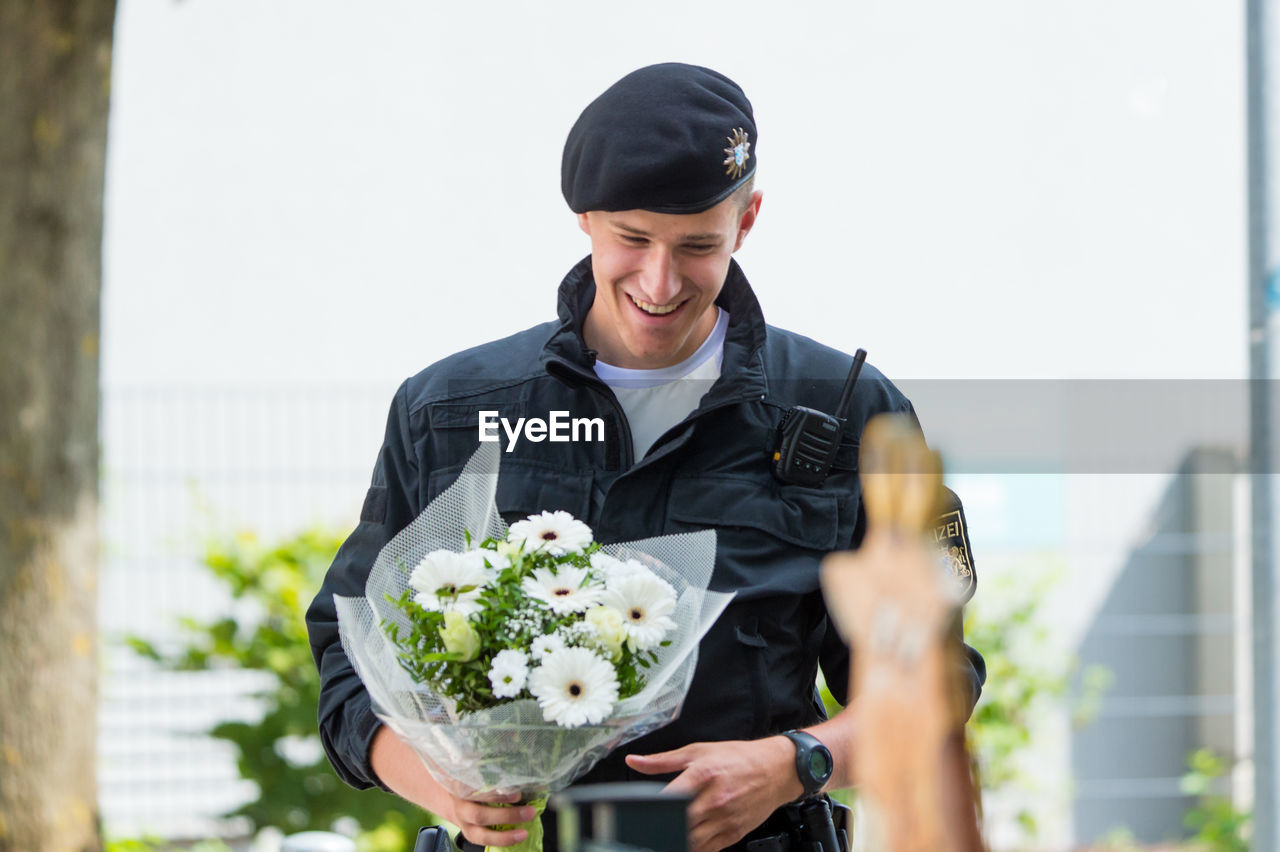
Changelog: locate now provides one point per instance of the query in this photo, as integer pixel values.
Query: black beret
(670, 138)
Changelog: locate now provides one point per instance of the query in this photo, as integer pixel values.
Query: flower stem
(531, 843)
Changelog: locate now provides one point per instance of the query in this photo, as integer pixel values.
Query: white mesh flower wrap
(511, 747)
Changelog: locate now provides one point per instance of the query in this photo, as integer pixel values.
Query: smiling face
(657, 278)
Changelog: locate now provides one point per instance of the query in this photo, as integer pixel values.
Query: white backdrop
(319, 191)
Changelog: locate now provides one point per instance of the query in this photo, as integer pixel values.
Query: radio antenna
(846, 395)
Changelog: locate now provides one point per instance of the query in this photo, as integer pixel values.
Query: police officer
(659, 337)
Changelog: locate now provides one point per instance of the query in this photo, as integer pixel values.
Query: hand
(399, 768)
(735, 785)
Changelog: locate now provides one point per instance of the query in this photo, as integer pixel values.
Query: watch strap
(806, 746)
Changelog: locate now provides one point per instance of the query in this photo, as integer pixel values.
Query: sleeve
(834, 659)
(346, 719)
(834, 654)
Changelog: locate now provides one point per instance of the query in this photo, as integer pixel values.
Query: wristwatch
(813, 761)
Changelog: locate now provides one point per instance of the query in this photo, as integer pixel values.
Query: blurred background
(1033, 216)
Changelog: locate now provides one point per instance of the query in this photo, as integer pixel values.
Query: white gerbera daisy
(544, 645)
(611, 568)
(574, 687)
(604, 564)
(646, 603)
(445, 581)
(565, 589)
(557, 533)
(508, 673)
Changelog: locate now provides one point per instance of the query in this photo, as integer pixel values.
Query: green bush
(271, 586)
(1025, 673)
(150, 844)
(1218, 825)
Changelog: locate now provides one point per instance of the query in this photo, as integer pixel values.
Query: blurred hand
(399, 768)
(735, 785)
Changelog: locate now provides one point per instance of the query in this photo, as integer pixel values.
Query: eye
(632, 240)
(700, 248)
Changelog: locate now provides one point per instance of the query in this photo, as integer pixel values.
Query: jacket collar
(567, 357)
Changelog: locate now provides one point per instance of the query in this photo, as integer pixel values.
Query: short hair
(742, 195)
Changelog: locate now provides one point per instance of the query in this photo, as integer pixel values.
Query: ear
(584, 223)
(748, 219)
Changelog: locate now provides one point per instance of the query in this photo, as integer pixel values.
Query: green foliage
(1024, 674)
(151, 844)
(135, 844)
(1218, 825)
(1117, 840)
(271, 585)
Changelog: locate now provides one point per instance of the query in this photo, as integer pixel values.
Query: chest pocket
(526, 489)
(769, 539)
(454, 434)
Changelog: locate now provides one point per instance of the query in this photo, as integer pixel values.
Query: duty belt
(811, 825)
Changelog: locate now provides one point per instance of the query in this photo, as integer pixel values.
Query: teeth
(656, 310)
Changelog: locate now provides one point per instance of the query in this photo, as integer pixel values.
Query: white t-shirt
(655, 400)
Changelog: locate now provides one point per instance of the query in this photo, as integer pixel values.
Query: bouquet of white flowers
(512, 660)
(542, 614)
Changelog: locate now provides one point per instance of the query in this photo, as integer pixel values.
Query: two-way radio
(808, 439)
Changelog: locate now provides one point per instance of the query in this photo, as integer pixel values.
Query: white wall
(991, 189)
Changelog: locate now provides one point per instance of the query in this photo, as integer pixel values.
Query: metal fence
(182, 466)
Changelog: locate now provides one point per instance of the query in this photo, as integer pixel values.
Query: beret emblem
(737, 154)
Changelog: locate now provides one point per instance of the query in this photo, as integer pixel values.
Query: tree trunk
(55, 62)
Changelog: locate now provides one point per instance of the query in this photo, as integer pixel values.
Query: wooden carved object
(891, 602)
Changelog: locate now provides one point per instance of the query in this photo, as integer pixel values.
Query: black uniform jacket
(756, 666)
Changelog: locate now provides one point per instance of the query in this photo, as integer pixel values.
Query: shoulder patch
(951, 538)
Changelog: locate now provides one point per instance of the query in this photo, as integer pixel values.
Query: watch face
(820, 763)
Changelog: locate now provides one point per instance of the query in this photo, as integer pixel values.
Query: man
(661, 339)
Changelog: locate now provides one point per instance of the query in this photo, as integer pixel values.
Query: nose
(661, 277)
